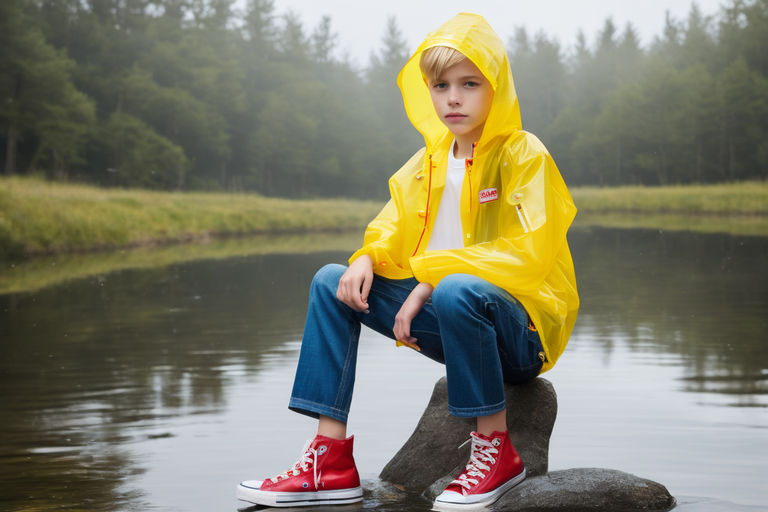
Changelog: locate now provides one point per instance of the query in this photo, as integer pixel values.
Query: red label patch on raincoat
(489, 194)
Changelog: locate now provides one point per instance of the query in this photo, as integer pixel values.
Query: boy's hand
(408, 311)
(355, 284)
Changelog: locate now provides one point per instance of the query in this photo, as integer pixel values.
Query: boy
(467, 263)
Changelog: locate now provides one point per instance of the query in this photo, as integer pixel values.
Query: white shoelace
(309, 456)
(482, 451)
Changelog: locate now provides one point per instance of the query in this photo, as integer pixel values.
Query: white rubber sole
(298, 499)
(455, 501)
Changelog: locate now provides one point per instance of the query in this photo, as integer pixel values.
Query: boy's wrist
(426, 287)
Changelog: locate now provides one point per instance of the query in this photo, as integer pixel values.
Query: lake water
(160, 389)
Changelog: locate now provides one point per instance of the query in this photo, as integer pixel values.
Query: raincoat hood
(471, 35)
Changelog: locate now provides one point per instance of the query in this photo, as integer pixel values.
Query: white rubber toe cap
(252, 484)
(451, 497)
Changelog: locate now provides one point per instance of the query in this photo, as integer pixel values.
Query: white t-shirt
(447, 231)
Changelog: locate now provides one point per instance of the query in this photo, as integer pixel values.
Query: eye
(471, 84)
(439, 85)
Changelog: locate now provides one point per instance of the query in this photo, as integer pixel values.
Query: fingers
(366, 288)
(350, 289)
(347, 295)
(403, 335)
(399, 334)
(355, 284)
(402, 330)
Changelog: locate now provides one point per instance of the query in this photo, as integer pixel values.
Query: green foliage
(142, 157)
(382, 95)
(692, 108)
(38, 101)
(226, 95)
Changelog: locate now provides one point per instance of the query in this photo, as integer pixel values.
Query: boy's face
(462, 97)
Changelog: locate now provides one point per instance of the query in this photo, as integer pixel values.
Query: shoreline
(44, 218)
(43, 271)
(195, 240)
(40, 218)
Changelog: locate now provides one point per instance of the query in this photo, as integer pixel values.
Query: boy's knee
(455, 289)
(328, 276)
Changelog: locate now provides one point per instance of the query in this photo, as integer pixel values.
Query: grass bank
(733, 208)
(39, 217)
(739, 199)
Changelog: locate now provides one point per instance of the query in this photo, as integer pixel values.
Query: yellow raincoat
(515, 207)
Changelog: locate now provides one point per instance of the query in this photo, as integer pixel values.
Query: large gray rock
(579, 490)
(586, 490)
(432, 451)
(429, 460)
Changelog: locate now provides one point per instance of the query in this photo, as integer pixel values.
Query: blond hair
(435, 60)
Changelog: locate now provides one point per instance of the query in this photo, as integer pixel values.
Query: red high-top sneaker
(324, 475)
(494, 467)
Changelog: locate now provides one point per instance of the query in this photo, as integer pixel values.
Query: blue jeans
(479, 331)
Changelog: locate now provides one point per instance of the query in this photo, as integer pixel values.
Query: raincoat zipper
(468, 163)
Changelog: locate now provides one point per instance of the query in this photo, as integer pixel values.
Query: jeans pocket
(522, 361)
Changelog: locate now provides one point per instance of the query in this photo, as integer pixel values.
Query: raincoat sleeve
(383, 239)
(517, 261)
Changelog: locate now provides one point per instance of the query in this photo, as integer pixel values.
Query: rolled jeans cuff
(472, 412)
(315, 410)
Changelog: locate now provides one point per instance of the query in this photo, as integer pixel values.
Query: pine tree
(39, 104)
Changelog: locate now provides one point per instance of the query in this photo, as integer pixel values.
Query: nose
(454, 97)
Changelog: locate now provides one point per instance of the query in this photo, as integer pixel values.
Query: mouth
(454, 116)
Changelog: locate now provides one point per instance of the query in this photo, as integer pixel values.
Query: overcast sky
(360, 24)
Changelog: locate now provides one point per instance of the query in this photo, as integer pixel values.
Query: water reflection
(701, 296)
(98, 372)
(96, 364)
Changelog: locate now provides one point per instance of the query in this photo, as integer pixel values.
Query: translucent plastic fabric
(515, 207)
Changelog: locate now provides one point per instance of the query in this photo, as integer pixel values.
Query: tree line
(690, 108)
(194, 94)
